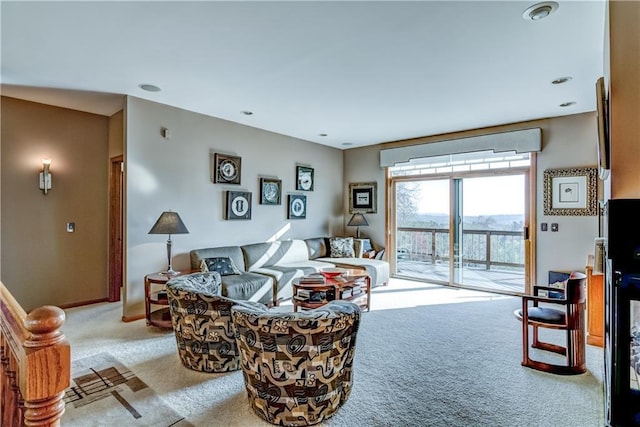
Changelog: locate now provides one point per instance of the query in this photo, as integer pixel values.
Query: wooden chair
(569, 316)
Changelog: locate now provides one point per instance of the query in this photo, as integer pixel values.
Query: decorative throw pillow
(223, 265)
(342, 247)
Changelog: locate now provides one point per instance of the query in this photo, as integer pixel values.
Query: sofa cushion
(248, 287)
(233, 252)
(341, 247)
(267, 254)
(223, 265)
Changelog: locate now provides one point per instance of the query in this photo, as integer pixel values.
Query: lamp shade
(169, 223)
(358, 220)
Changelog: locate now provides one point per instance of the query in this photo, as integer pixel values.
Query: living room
(42, 263)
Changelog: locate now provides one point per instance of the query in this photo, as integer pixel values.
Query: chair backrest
(201, 319)
(576, 288)
(297, 365)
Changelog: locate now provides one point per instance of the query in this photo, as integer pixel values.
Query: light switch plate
(71, 227)
(544, 226)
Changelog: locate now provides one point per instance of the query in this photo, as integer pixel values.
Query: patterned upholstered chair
(297, 366)
(201, 320)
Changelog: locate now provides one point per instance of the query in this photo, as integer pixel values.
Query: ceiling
(361, 72)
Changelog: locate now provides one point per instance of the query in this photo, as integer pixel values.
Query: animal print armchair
(297, 367)
(201, 320)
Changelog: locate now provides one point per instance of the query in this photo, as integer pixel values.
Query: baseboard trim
(82, 303)
(133, 318)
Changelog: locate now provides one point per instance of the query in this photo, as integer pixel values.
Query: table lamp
(169, 223)
(358, 220)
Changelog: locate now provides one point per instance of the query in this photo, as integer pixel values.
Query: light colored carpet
(426, 356)
(107, 393)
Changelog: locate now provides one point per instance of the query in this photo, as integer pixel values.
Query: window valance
(521, 141)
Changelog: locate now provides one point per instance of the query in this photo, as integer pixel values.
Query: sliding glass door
(489, 232)
(463, 229)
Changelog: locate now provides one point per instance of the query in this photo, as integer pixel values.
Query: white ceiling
(362, 72)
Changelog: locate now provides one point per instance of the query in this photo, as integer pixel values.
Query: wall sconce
(45, 176)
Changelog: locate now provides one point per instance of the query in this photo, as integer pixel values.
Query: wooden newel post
(45, 370)
(35, 364)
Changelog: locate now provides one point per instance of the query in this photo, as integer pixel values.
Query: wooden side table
(156, 303)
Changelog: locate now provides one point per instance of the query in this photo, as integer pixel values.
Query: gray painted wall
(568, 141)
(175, 174)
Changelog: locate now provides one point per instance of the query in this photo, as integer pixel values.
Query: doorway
(116, 213)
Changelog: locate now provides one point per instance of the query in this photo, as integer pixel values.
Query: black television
(602, 114)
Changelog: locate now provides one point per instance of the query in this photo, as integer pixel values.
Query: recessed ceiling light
(561, 80)
(322, 134)
(149, 87)
(540, 11)
(247, 113)
(567, 104)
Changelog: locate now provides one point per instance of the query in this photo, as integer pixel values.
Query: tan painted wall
(568, 141)
(42, 263)
(624, 29)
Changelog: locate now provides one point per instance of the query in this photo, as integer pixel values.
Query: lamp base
(170, 273)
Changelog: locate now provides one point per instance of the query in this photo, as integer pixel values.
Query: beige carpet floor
(426, 356)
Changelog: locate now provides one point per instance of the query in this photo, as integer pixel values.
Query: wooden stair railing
(35, 364)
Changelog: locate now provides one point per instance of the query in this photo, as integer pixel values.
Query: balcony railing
(480, 248)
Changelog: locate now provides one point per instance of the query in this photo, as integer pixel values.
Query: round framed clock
(227, 169)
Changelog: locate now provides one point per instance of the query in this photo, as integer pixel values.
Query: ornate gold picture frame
(363, 197)
(571, 192)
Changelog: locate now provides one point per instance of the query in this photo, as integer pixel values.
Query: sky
(492, 195)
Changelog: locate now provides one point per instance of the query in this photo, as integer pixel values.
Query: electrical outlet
(71, 227)
(544, 226)
(554, 226)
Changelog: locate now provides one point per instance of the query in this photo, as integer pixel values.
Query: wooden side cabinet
(595, 305)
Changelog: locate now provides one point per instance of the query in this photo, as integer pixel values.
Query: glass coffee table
(314, 290)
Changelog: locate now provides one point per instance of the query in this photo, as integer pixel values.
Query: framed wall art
(363, 197)
(602, 110)
(297, 207)
(270, 191)
(226, 169)
(571, 192)
(304, 178)
(238, 205)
